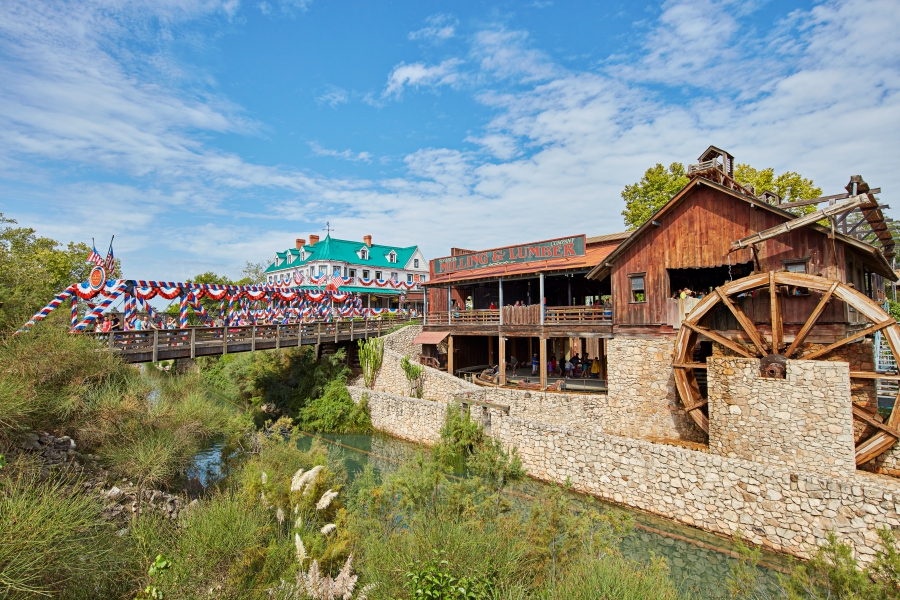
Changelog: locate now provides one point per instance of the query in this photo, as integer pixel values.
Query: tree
(33, 269)
(252, 273)
(647, 196)
(790, 186)
(659, 185)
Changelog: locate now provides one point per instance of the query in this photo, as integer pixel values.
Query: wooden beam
(874, 446)
(542, 368)
(862, 415)
(744, 322)
(718, 338)
(847, 340)
(873, 375)
(690, 365)
(843, 206)
(775, 306)
(786, 205)
(807, 327)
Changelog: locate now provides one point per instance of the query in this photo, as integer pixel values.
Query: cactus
(371, 353)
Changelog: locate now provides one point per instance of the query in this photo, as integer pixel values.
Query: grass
(54, 541)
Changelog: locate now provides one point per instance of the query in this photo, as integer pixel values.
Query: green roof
(343, 251)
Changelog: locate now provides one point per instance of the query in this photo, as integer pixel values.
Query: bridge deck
(164, 344)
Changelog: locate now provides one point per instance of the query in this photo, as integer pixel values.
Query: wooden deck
(165, 344)
(524, 321)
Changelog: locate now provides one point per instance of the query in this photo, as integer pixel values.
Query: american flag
(336, 282)
(110, 260)
(94, 257)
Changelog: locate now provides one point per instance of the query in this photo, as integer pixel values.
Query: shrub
(613, 578)
(415, 375)
(336, 412)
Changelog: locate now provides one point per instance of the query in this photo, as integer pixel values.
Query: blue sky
(204, 133)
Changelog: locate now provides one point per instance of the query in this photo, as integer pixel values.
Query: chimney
(368, 240)
(313, 239)
(300, 243)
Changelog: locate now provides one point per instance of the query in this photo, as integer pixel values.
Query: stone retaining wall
(802, 421)
(785, 510)
(641, 402)
(407, 418)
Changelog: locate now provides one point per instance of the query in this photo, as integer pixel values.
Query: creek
(699, 562)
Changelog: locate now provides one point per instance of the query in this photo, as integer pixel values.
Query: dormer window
(302, 255)
(392, 257)
(364, 253)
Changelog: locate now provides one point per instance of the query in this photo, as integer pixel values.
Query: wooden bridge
(164, 344)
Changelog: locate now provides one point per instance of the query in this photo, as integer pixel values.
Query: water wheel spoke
(848, 339)
(807, 327)
(718, 338)
(775, 304)
(745, 323)
(874, 446)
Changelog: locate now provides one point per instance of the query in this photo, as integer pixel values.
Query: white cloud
(562, 143)
(333, 97)
(418, 74)
(345, 154)
(439, 27)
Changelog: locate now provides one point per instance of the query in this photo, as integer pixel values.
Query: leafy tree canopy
(656, 187)
(659, 185)
(33, 269)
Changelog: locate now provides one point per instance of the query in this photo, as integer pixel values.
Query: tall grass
(54, 541)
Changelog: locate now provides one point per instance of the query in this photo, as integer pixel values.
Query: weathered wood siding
(698, 233)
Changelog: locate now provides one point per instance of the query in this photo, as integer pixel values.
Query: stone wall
(801, 421)
(641, 402)
(642, 389)
(785, 510)
(403, 417)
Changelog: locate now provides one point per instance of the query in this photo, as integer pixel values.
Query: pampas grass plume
(328, 528)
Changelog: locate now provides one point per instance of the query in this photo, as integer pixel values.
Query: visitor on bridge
(514, 364)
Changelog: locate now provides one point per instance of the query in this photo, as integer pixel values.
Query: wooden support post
(450, 354)
(225, 340)
(253, 338)
(111, 340)
(541, 300)
(490, 350)
(500, 304)
(542, 368)
(193, 342)
(277, 336)
(351, 331)
(501, 347)
(156, 345)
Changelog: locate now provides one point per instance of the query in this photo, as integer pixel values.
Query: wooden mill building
(487, 305)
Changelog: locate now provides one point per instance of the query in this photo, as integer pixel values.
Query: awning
(431, 337)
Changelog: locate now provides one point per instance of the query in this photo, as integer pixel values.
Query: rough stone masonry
(778, 470)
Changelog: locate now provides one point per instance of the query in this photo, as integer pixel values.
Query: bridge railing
(198, 341)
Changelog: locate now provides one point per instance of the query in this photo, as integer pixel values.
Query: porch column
(490, 349)
(570, 289)
(542, 368)
(541, 298)
(425, 306)
(450, 354)
(502, 349)
(449, 300)
(501, 300)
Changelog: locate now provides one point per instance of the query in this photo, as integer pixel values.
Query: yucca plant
(371, 353)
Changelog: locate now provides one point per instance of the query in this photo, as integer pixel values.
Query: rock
(114, 493)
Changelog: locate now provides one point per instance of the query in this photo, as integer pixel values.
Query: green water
(700, 562)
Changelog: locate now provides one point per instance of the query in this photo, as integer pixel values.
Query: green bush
(613, 578)
(336, 412)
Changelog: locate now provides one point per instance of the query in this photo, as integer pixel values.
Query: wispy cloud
(552, 160)
(419, 74)
(439, 27)
(333, 97)
(344, 154)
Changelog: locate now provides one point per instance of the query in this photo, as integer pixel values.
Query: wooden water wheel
(773, 349)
